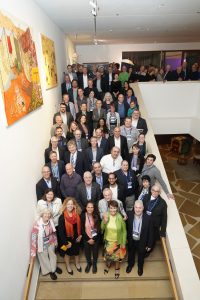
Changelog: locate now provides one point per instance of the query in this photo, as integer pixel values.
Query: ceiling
(127, 21)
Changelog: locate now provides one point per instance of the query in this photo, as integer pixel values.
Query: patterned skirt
(113, 252)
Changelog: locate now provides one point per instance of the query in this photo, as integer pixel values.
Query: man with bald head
(156, 207)
(88, 191)
(69, 181)
(111, 162)
(47, 182)
(139, 235)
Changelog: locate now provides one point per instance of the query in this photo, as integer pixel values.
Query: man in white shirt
(111, 162)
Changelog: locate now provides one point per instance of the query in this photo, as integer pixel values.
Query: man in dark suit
(88, 191)
(83, 78)
(81, 143)
(76, 158)
(120, 141)
(139, 235)
(98, 176)
(54, 147)
(65, 115)
(56, 166)
(127, 178)
(108, 78)
(168, 76)
(73, 92)
(121, 106)
(116, 188)
(99, 84)
(98, 113)
(156, 208)
(139, 122)
(93, 153)
(47, 182)
(101, 141)
(90, 88)
(66, 85)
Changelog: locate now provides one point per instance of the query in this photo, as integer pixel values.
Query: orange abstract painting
(19, 74)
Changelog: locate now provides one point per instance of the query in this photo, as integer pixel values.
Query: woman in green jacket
(114, 229)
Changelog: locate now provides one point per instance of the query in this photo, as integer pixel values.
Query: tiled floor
(187, 197)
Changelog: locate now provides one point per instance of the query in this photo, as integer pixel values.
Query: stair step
(157, 254)
(103, 290)
(153, 270)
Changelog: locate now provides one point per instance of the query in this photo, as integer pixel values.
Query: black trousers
(91, 251)
(133, 247)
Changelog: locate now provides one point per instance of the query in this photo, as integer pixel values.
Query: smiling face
(49, 196)
(70, 206)
(138, 208)
(113, 210)
(90, 208)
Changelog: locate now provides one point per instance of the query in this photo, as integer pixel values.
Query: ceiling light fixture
(94, 11)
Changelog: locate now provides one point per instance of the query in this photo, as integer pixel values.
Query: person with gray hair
(103, 204)
(43, 243)
(139, 235)
(156, 207)
(87, 191)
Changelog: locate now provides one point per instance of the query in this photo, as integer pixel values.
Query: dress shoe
(140, 271)
(94, 268)
(129, 269)
(58, 270)
(78, 269)
(87, 269)
(70, 272)
(53, 275)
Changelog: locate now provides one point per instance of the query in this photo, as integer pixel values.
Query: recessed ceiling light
(110, 30)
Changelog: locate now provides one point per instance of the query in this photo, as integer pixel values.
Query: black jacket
(122, 181)
(61, 167)
(47, 152)
(142, 124)
(97, 227)
(41, 187)
(81, 194)
(123, 148)
(159, 213)
(120, 192)
(146, 234)
(81, 162)
(89, 156)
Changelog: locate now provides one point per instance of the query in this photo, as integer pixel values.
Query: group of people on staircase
(99, 186)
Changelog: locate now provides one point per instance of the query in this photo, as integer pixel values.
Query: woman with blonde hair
(69, 229)
(43, 243)
(72, 129)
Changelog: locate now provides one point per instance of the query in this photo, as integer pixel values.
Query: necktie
(72, 160)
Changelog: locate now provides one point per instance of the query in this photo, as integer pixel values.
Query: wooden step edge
(111, 299)
(82, 280)
(148, 259)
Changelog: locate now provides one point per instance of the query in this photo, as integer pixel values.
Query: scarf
(70, 221)
(41, 233)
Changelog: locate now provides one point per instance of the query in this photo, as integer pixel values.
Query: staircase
(154, 284)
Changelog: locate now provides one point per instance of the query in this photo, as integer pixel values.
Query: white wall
(110, 53)
(173, 107)
(21, 151)
(184, 270)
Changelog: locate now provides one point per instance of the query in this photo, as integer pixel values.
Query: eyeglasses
(155, 191)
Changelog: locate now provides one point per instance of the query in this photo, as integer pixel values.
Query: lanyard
(89, 221)
(151, 206)
(126, 132)
(128, 177)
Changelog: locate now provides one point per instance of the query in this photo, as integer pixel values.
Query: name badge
(135, 234)
(46, 240)
(148, 212)
(93, 232)
(129, 185)
(80, 150)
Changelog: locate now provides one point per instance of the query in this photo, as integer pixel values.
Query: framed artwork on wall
(19, 74)
(49, 57)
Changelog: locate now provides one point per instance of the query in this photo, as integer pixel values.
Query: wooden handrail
(171, 275)
(28, 278)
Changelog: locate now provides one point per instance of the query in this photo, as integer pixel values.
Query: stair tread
(156, 270)
(157, 254)
(105, 290)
